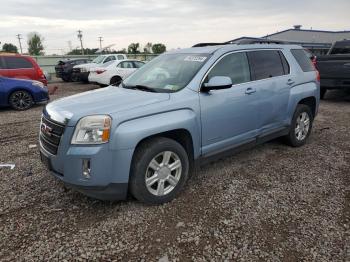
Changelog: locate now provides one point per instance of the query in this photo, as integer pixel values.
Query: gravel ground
(272, 203)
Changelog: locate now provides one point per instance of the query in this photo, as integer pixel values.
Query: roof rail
(209, 44)
(250, 41)
(245, 41)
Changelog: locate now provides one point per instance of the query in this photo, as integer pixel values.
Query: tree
(148, 48)
(158, 48)
(133, 48)
(8, 47)
(35, 44)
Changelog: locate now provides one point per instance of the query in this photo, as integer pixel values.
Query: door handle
(250, 90)
(290, 82)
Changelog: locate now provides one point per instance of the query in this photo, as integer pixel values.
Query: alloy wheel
(302, 126)
(163, 173)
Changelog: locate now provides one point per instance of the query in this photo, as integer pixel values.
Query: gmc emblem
(46, 129)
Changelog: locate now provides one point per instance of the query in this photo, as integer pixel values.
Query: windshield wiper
(141, 87)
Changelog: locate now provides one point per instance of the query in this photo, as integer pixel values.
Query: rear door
(272, 81)
(19, 67)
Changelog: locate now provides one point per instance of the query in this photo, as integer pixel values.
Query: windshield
(167, 72)
(98, 59)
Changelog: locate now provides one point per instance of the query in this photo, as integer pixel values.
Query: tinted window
(339, 48)
(235, 66)
(110, 58)
(120, 57)
(126, 65)
(17, 62)
(303, 60)
(265, 64)
(138, 64)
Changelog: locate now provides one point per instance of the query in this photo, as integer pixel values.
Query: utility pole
(19, 40)
(80, 36)
(100, 40)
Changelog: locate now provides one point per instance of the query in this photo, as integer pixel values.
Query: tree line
(36, 47)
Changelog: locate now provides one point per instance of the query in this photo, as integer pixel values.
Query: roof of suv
(230, 47)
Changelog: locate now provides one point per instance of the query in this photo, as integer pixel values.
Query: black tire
(140, 168)
(115, 80)
(21, 100)
(323, 92)
(292, 138)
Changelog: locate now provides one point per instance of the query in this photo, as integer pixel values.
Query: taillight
(318, 76)
(100, 71)
(40, 72)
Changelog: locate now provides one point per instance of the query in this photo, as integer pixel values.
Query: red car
(20, 66)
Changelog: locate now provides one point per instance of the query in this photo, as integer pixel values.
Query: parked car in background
(64, 68)
(115, 73)
(335, 67)
(21, 94)
(178, 110)
(20, 66)
(81, 72)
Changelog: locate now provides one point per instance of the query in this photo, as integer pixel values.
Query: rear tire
(21, 100)
(116, 80)
(159, 171)
(301, 126)
(66, 78)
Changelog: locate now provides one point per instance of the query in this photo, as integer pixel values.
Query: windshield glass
(98, 59)
(170, 72)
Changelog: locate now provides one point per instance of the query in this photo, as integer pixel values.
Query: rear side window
(267, 64)
(17, 62)
(303, 60)
(120, 57)
(235, 66)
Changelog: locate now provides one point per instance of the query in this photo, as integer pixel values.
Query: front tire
(159, 171)
(301, 126)
(21, 100)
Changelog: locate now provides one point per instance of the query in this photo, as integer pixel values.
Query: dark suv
(64, 68)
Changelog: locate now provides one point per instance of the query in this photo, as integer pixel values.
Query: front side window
(167, 72)
(109, 59)
(235, 66)
(17, 62)
(138, 64)
(120, 57)
(266, 64)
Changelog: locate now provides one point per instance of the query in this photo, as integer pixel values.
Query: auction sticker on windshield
(195, 58)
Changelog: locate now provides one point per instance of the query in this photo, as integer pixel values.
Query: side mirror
(217, 83)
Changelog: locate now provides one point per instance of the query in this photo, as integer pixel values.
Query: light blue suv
(181, 109)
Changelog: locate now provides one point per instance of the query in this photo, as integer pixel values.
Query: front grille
(50, 134)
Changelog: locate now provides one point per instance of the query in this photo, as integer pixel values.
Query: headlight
(92, 130)
(37, 83)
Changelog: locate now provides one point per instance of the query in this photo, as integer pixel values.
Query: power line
(80, 36)
(100, 40)
(19, 40)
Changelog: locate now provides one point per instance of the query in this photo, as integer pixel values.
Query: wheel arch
(310, 102)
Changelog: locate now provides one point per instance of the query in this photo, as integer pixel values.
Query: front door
(229, 116)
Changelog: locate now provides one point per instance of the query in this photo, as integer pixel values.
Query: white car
(113, 74)
(81, 72)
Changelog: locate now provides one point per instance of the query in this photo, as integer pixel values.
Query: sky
(176, 23)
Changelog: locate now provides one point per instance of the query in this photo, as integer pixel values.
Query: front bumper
(109, 169)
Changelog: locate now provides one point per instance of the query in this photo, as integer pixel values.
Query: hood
(107, 100)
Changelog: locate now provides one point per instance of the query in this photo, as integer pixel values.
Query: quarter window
(235, 66)
(17, 62)
(266, 64)
(303, 60)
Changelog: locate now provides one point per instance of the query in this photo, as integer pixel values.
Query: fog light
(86, 168)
